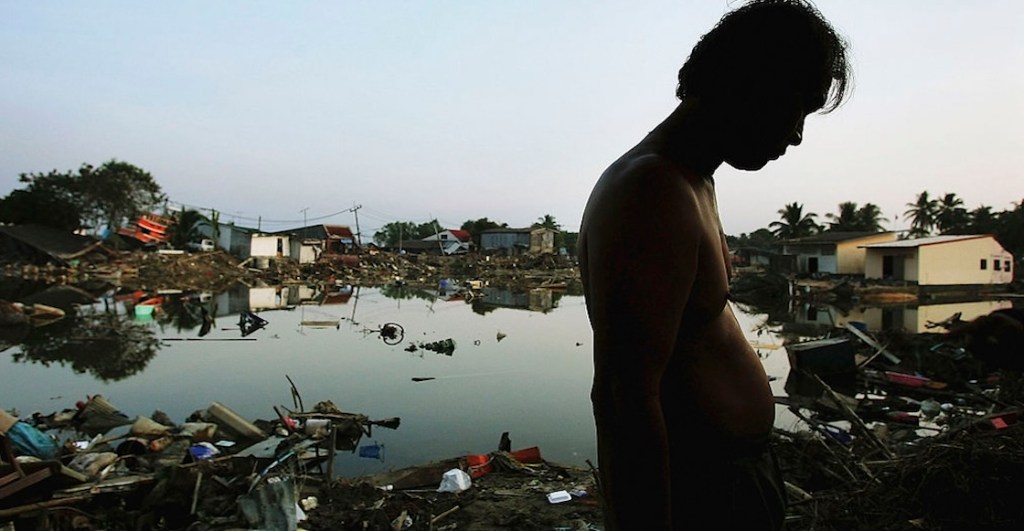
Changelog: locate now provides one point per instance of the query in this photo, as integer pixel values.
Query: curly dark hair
(772, 46)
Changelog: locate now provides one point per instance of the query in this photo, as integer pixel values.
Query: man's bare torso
(712, 382)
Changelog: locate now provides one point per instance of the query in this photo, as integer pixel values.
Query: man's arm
(642, 248)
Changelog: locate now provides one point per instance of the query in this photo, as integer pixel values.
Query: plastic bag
(27, 440)
(455, 480)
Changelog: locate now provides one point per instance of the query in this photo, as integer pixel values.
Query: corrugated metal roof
(832, 237)
(919, 242)
(342, 231)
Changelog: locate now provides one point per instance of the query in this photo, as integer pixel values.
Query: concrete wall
(266, 245)
(305, 251)
(875, 259)
(960, 262)
(850, 259)
(542, 241)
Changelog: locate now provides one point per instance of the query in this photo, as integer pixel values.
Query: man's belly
(716, 380)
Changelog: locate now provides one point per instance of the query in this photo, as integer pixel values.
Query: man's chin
(747, 165)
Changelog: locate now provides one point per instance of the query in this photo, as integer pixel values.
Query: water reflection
(913, 319)
(535, 300)
(108, 335)
(107, 345)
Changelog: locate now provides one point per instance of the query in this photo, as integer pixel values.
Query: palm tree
(185, 228)
(548, 222)
(951, 217)
(983, 220)
(922, 215)
(794, 224)
(869, 218)
(846, 220)
(1011, 229)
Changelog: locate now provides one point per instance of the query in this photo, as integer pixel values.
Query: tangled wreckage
(908, 431)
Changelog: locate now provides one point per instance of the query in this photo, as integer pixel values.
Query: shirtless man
(682, 404)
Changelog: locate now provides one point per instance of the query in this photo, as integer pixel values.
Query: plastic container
(227, 418)
(479, 465)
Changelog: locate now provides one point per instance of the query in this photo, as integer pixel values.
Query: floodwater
(521, 364)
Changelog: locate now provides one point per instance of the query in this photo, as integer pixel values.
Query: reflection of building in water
(913, 319)
(240, 297)
(536, 300)
(934, 313)
(541, 300)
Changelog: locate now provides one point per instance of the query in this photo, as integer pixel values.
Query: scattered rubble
(217, 470)
(905, 432)
(216, 271)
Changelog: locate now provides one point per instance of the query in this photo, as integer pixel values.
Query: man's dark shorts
(736, 486)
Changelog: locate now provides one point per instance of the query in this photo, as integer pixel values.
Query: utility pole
(355, 211)
(437, 236)
(304, 216)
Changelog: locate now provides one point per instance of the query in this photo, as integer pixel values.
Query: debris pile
(209, 271)
(500, 490)
(215, 469)
(906, 432)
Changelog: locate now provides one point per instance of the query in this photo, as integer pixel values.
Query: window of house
(995, 265)
(1006, 266)
(984, 264)
(444, 236)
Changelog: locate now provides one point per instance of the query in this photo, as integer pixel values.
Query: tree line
(90, 197)
(106, 197)
(394, 233)
(928, 215)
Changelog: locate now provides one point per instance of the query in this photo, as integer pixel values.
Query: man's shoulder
(648, 165)
(647, 175)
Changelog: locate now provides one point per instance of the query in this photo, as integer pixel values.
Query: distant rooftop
(920, 242)
(833, 237)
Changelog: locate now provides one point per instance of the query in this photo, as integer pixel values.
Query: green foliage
(548, 222)
(393, 233)
(869, 218)
(922, 213)
(569, 241)
(1010, 231)
(947, 215)
(846, 220)
(759, 239)
(951, 217)
(185, 228)
(794, 223)
(118, 191)
(92, 197)
(852, 219)
(984, 221)
(108, 346)
(44, 204)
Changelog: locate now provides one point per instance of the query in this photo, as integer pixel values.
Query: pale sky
(505, 109)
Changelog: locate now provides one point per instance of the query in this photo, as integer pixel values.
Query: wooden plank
(872, 343)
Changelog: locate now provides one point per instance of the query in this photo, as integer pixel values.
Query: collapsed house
(39, 245)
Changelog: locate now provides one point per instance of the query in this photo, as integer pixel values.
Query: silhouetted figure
(681, 401)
